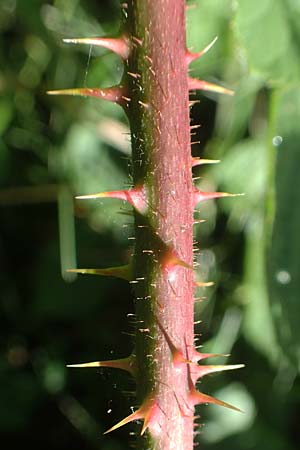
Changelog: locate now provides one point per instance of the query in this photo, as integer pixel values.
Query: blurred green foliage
(54, 148)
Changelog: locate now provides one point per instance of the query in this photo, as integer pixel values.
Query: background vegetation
(54, 148)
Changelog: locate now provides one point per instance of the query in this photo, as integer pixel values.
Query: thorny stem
(159, 120)
(154, 93)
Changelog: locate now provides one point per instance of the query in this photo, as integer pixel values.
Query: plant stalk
(160, 129)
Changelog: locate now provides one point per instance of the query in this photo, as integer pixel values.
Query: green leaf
(235, 174)
(258, 327)
(264, 32)
(284, 254)
(207, 19)
(6, 114)
(234, 113)
(91, 167)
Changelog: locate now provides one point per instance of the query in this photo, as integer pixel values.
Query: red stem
(159, 118)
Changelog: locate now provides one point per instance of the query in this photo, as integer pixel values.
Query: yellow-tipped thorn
(127, 364)
(204, 283)
(90, 364)
(206, 86)
(91, 196)
(201, 161)
(198, 398)
(120, 45)
(134, 416)
(124, 272)
(198, 356)
(136, 197)
(201, 371)
(191, 56)
(148, 412)
(209, 46)
(200, 196)
(113, 94)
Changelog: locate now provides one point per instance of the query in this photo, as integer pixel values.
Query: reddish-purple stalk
(154, 92)
(160, 127)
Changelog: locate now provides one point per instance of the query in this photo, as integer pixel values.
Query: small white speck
(172, 276)
(277, 140)
(283, 277)
(109, 411)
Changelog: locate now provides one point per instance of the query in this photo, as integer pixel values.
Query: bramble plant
(154, 93)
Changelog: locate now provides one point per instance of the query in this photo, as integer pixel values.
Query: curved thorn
(206, 86)
(171, 259)
(198, 356)
(124, 272)
(199, 221)
(201, 371)
(136, 197)
(128, 364)
(114, 94)
(134, 416)
(147, 412)
(120, 45)
(200, 196)
(203, 283)
(201, 161)
(191, 56)
(198, 398)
